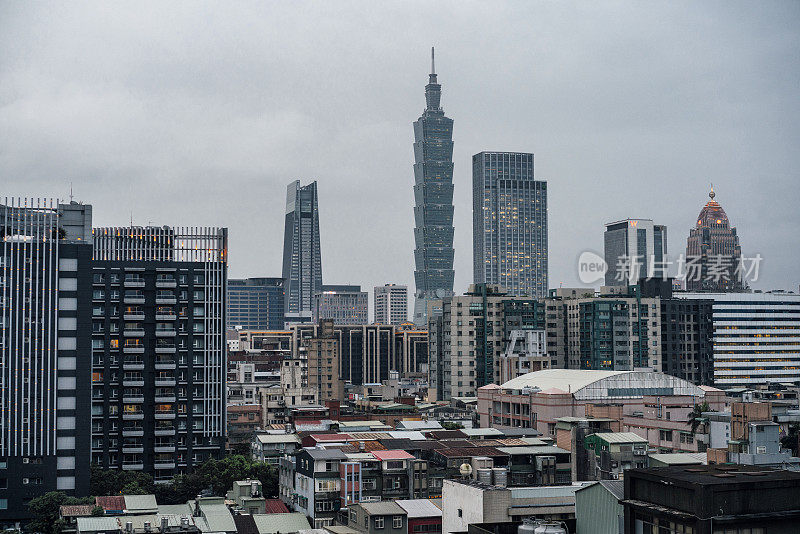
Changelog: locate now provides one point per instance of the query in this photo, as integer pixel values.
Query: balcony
(132, 466)
(162, 315)
(166, 333)
(134, 282)
(165, 414)
(166, 283)
(133, 382)
(133, 333)
(165, 382)
(165, 399)
(164, 448)
(132, 432)
(133, 364)
(133, 399)
(165, 363)
(166, 349)
(132, 416)
(166, 299)
(133, 449)
(133, 299)
(164, 431)
(133, 316)
(133, 349)
(164, 465)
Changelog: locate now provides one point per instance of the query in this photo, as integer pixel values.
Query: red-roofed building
(275, 506)
(392, 455)
(111, 504)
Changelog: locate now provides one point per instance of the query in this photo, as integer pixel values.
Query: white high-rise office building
(391, 304)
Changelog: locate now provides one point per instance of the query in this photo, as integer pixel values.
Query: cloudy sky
(201, 114)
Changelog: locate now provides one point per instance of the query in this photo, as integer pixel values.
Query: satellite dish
(466, 470)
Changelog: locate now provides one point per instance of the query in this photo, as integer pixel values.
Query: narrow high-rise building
(635, 249)
(45, 382)
(433, 195)
(713, 254)
(302, 261)
(391, 304)
(256, 303)
(509, 223)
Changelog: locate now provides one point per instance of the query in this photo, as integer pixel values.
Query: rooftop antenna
(433, 64)
(70, 192)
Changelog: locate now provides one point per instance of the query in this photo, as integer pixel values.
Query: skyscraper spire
(433, 63)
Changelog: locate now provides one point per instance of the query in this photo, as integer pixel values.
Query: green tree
(448, 425)
(45, 511)
(696, 416)
(242, 449)
(118, 482)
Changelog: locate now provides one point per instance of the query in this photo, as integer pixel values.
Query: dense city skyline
(659, 121)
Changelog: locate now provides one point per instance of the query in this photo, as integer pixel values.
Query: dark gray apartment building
(45, 279)
(158, 348)
(509, 223)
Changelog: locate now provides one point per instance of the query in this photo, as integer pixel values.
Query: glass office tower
(433, 195)
(509, 223)
(302, 262)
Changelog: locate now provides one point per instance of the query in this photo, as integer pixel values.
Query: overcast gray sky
(202, 113)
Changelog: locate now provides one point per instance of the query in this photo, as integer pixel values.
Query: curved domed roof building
(713, 254)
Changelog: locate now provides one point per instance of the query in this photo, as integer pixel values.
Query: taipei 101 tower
(433, 196)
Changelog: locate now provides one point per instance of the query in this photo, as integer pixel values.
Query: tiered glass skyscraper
(509, 223)
(433, 195)
(302, 261)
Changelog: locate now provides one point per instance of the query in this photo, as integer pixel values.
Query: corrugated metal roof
(75, 510)
(680, 458)
(416, 508)
(615, 487)
(110, 502)
(326, 454)
(620, 437)
(482, 432)
(406, 424)
(465, 452)
(140, 503)
(283, 523)
(382, 508)
(278, 438)
(275, 506)
(392, 455)
(413, 435)
(544, 449)
(94, 524)
(537, 492)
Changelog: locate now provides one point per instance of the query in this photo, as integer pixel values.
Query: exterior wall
(687, 339)
(509, 221)
(634, 250)
(323, 364)
(597, 511)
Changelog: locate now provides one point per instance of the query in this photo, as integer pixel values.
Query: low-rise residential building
(378, 518)
(243, 421)
(611, 453)
(317, 484)
(269, 447)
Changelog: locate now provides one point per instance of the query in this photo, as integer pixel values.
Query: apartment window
(379, 523)
(397, 521)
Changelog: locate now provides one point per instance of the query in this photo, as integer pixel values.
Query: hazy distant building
(256, 303)
(433, 195)
(713, 254)
(302, 261)
(343, 304)
(391, 304)
(509, 223)
(635, 249)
